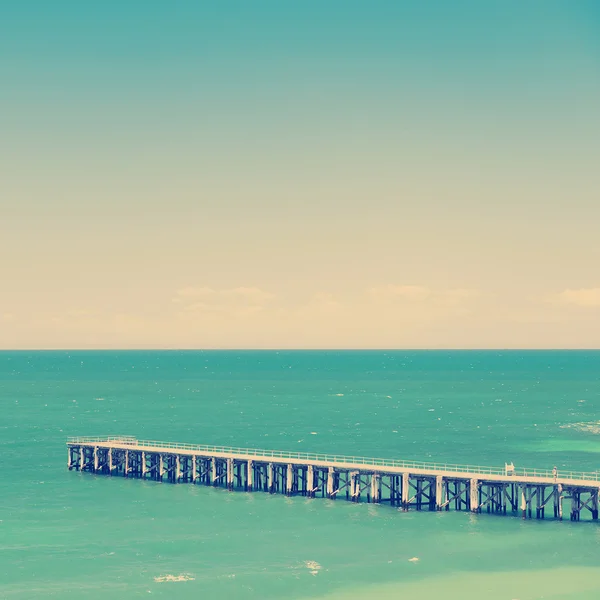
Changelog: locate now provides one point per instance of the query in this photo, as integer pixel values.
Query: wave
(170, 578)
(585, 426)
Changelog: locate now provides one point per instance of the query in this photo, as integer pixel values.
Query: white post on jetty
(126, 462)
(213, 471)
(474, 495)
(289, 480)
(194, 469)
(557, 501)
(405, 490)
(270, 478)
(177, 468)
(375, 488)
(143, 465)
(160, 465)
(110, 461)
(95, 458)
(574, 506)
(560, 501)
(330, 472)
(439, 492)
(230, 473)
(250, 475)
(310, 481)
(357, 484)
(523, 500)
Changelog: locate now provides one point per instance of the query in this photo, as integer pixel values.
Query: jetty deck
(405, 484)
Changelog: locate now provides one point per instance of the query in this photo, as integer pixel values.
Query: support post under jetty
(404, 484)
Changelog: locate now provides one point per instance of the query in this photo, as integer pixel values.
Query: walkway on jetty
(409, 485)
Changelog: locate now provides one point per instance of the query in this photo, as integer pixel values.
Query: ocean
(68, 535)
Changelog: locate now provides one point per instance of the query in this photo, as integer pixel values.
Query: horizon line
(329, 349)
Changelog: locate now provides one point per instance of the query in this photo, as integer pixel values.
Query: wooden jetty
(404, 484)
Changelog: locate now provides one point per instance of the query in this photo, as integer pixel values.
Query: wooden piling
(439, 492)
(354, 488)
(474, 495)
(249, 475)
(310, 481)
(230, 473)
(575, 505)
(375, 488)
(405, 490)
(213, 472)
(523, 489)
(330, 483)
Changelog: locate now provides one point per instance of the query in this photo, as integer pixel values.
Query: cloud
(251, 295)
(193, 292)
(408, 292)
(232, 302)
(401, 307)
(321, 305)
(324, 300)
(223, 309)
(422, 294)
(83, 313)
(588, 297)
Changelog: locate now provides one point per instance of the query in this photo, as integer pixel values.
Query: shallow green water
(70, 535)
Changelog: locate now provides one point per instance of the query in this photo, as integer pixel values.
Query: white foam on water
(587, 427)
(171, 578)
(313, 566)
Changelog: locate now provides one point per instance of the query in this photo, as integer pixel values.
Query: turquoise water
(78, 536)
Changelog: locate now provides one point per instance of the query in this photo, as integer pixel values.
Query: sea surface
(68, 535)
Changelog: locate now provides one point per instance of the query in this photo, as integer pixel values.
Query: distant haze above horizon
(300, 175)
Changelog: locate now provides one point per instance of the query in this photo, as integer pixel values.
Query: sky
(315, 174)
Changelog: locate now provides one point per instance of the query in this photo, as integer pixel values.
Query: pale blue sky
(300, 174)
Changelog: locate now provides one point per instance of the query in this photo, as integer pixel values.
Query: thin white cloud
(238, 302)
(197, 307)
(319, 304)
(194, 292)
(587, 297)
(252, 294)
(83, 313)
(211, 295)
(420, 294)
(409, 292)
(324, 300)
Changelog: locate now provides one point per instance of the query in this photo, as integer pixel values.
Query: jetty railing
(339, 459)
